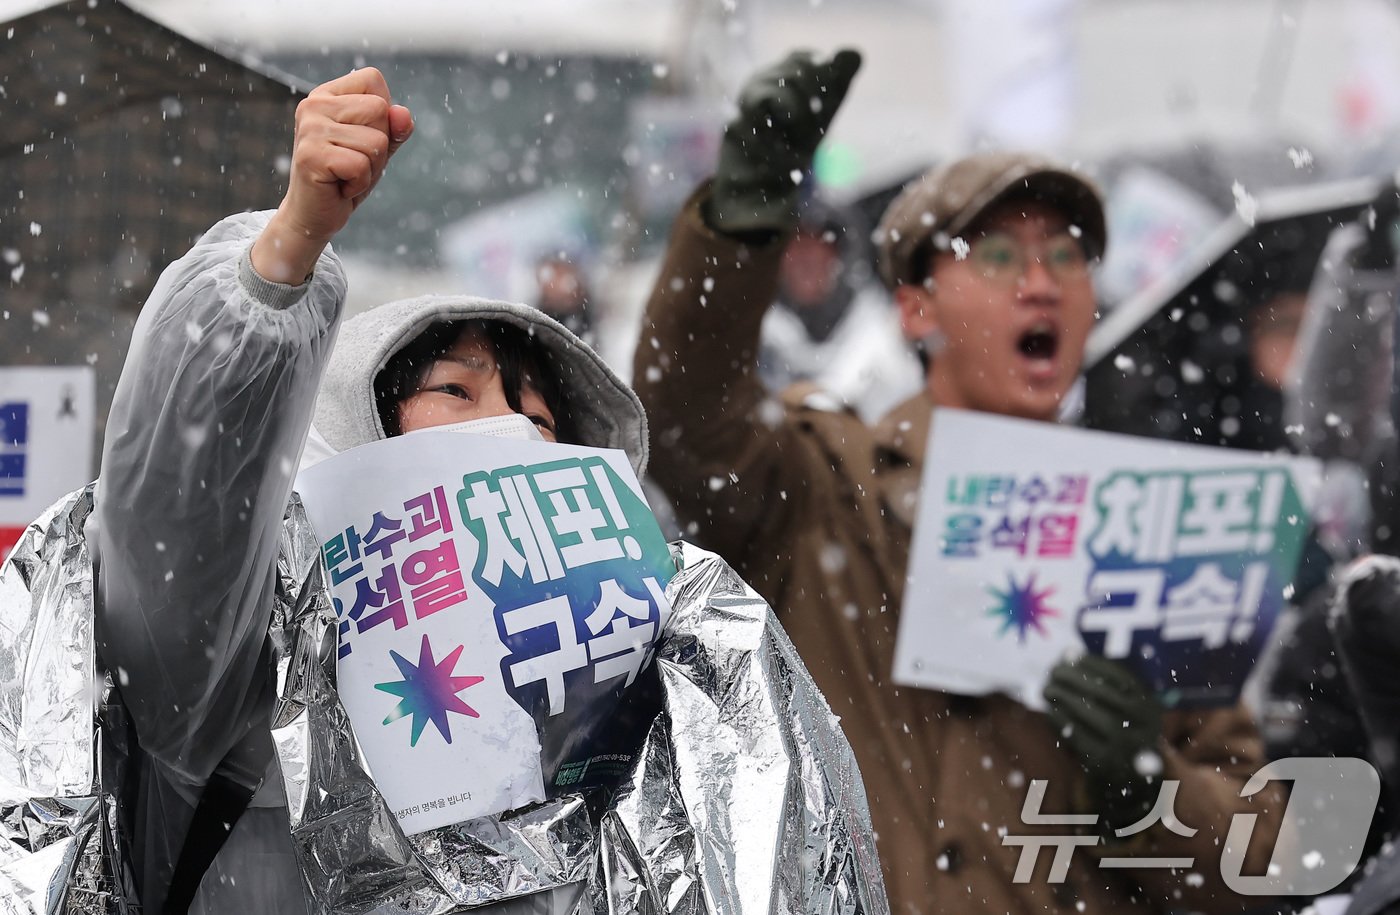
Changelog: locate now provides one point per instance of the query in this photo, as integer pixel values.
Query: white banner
(46, 435)
(1035, 541)
(1012, 67)
(1155, 222)
(495, 598)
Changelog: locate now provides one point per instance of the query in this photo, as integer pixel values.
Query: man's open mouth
(1040, 341)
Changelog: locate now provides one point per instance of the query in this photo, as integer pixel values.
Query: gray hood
(605, 411)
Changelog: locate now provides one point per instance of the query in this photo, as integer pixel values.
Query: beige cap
(949, 199)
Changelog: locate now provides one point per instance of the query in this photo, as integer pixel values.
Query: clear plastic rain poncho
(1337, 396)
(214, 627)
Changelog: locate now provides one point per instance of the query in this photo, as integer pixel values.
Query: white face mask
(511, 425)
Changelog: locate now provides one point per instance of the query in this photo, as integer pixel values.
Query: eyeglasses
(1000, 258)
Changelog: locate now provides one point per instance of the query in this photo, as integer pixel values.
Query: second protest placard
(1034, 542)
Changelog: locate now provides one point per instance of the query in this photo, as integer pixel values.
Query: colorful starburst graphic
(1022, 608)
(428, 691)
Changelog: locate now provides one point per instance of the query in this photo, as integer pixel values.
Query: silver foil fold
(47, 667)
(745, 797)
(50, 803)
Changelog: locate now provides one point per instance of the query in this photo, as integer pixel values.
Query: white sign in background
(46, 436)
(476, 751)
(952, 635)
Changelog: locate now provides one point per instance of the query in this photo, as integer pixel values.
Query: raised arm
(724, 446)
(208, 420)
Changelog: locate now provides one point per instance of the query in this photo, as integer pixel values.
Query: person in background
(564, 292)
(1323, 351)
(988, 262)
(1275, 302)
(830, 324)
(1365, 626)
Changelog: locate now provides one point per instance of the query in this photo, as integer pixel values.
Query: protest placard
(1034, 542)
(46, 441)
(498, 603)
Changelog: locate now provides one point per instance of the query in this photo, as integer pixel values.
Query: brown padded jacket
(814, 508)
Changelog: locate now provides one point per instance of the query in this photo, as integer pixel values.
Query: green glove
(1110, 720)
(769, 146)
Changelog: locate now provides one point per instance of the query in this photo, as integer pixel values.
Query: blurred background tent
(122, 142)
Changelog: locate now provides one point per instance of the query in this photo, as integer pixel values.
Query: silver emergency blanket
(745, 798)
(47, 670)
(50, 804)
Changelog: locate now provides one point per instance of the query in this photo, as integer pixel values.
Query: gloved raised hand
(768, 148)
(1108, 718)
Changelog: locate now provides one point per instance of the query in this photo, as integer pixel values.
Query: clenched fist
(784, 112)
(346, 131)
